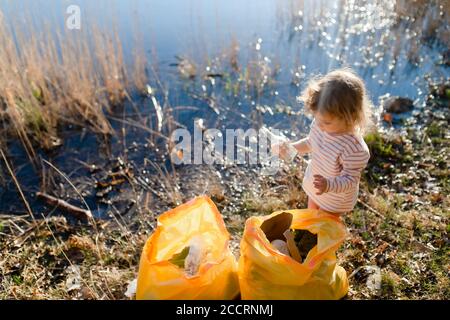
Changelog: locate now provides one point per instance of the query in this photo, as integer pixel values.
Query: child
(339, 154)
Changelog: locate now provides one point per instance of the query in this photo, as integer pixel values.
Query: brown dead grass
(48, 80)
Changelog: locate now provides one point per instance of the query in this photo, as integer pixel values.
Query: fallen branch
(78, 213)
(89, 216)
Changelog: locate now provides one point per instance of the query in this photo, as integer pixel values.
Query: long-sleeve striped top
(340, 158)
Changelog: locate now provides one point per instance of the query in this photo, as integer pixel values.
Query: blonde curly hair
(340, 93)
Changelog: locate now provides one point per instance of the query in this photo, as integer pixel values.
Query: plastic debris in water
(199, 124)
(158, 109)
(187, 69)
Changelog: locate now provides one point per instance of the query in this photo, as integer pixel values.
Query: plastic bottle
(280, 139)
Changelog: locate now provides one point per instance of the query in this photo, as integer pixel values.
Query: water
(281, 45)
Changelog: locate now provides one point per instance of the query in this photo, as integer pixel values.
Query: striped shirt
(340, 158)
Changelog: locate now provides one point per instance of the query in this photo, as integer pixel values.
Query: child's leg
(312, 204)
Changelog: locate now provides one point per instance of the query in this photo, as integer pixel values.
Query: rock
(387, 117)
(440, 90)
(373, 281)
(73, 280)
(397, 105)
(380, 259)
(372, 274)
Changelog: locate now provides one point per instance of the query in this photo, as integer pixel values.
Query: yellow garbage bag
(197, 225)
(266, 273)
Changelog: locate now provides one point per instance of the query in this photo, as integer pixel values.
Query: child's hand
(320, 183)
(282, 151)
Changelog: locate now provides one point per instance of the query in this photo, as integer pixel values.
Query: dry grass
(60, 261)
(50, 78)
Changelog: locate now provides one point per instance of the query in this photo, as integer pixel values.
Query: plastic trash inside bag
(191, 257)
(187, 256)
(267, 273)
(281, 246)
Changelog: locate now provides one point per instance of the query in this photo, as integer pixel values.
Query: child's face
(330, 124)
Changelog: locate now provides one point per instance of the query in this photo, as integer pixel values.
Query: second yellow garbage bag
(187, 257)
(266, 273)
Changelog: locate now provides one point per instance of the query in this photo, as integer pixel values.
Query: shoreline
(394, 221)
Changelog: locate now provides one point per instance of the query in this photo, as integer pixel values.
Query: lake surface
(286, 42)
